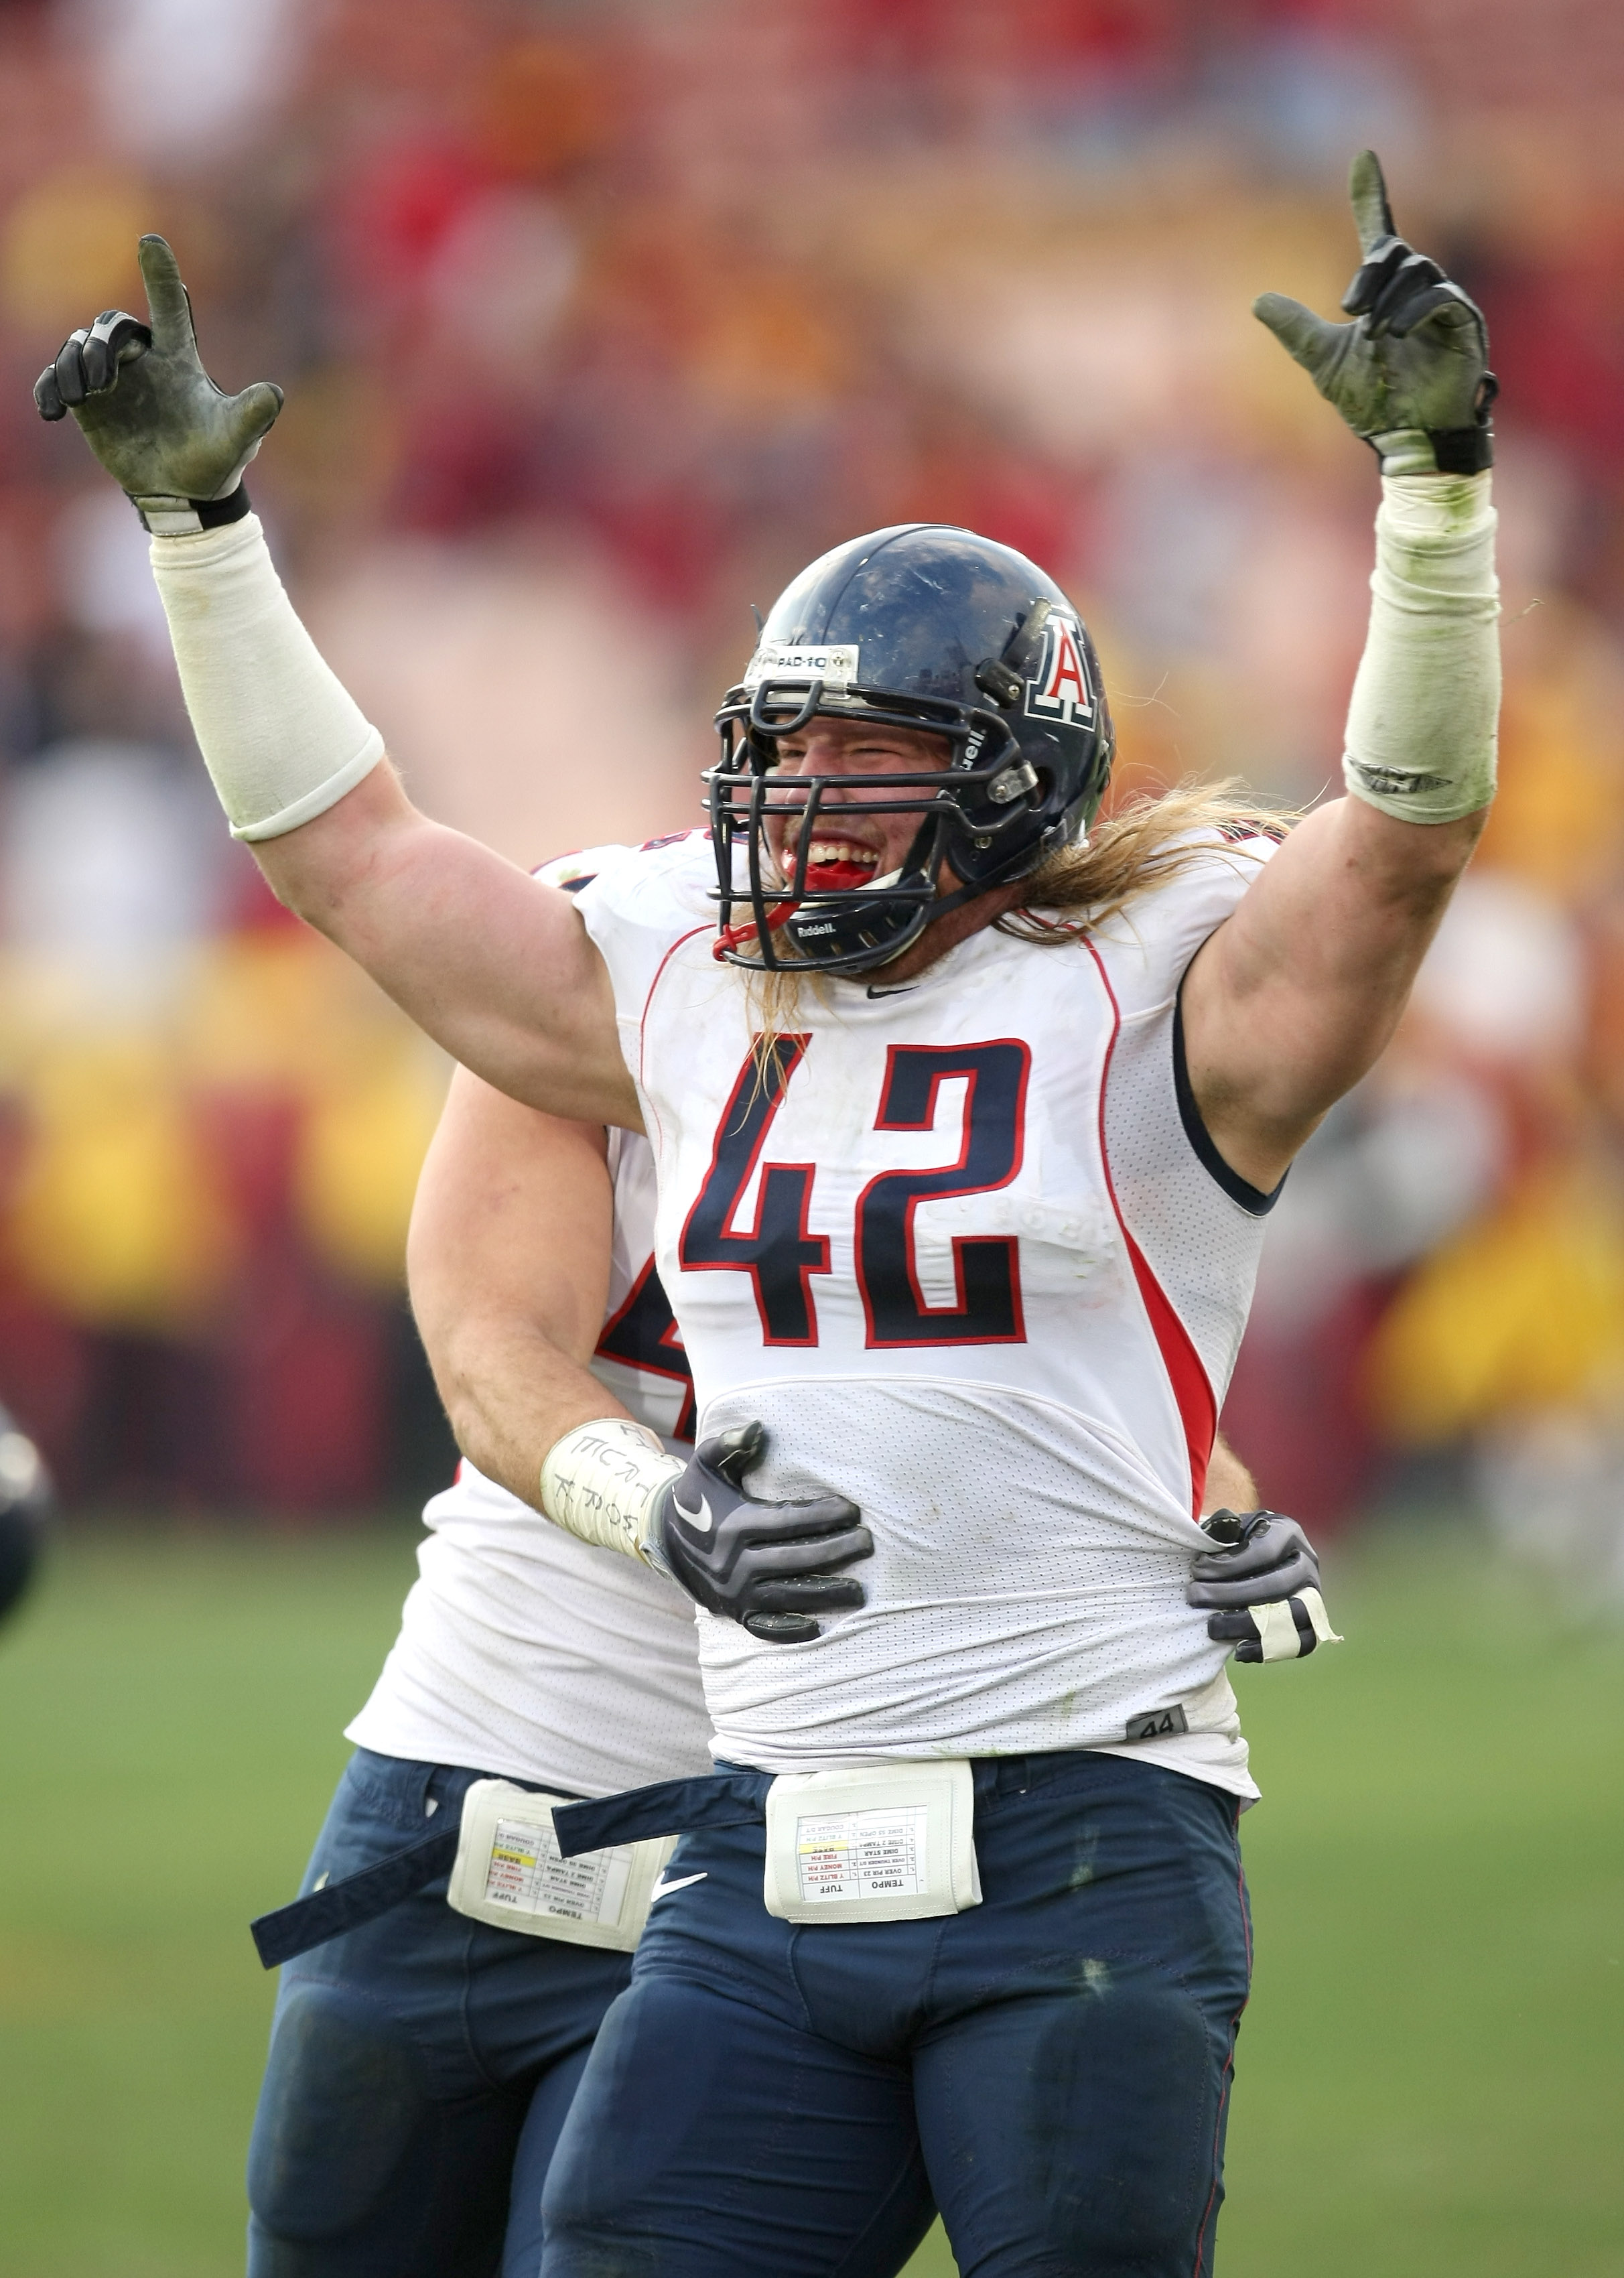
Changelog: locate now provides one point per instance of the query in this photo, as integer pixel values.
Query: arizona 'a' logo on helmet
(927, 627)
(1060, 690)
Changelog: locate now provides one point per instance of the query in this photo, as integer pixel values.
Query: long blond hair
(1148, 840)
(1143, 845)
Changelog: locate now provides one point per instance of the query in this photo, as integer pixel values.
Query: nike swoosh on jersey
(700, 1519)
(663, 1890)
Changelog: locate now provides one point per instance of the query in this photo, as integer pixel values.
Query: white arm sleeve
(283, 739)
(1422, 726)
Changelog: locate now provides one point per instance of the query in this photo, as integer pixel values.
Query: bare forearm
(496, 967)
(508, 1260)
(1229, 1485)
(510, 1395)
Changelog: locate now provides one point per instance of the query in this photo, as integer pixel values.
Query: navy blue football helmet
(921, 626)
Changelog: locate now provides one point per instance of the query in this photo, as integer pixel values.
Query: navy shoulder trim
(565, 886)
(1239, 1189)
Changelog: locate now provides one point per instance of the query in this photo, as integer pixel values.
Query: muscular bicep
(495, 965)
(1296, 995)
(508, 1264)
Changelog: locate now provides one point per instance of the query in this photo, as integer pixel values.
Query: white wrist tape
(1422, 726)
(283, 739)
(600, 1481)
(1278, 1630)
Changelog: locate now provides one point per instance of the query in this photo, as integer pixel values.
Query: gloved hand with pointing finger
(1410, 374)
(175, 442)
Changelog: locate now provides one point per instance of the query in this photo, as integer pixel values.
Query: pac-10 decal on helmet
(921, 626)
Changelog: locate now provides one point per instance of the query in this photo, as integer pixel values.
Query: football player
(421, 2062)
(965, 1126)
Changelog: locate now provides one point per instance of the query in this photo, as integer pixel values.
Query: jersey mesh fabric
(1199, 1241)
(524, 1652)
(1029, 1492)
(1006, 1614)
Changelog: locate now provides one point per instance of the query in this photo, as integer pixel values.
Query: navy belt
(361, 1898)
(668, 1808)
(338, 1907)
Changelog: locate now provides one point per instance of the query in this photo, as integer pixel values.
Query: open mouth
(837, 865)
(834, 865)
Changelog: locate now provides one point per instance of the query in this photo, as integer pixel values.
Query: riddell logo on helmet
(1061, 691)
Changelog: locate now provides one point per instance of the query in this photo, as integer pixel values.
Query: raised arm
(496, 967)
(1292, 999)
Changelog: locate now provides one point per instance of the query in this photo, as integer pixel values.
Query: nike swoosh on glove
(767, 1565)
(1262, 1578)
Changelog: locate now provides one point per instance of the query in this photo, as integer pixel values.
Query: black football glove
(1263, 1577)
(765, 1565)
(1410, 375)
(173, 441)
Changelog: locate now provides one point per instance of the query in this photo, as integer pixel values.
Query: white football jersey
(957, 1250)
(523, 1651)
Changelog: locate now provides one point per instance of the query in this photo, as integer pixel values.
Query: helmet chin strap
(824, 928)
(942, 904)
(739, 936)
(782, 916)
(823, 923)
(841, 930)
(830, 932)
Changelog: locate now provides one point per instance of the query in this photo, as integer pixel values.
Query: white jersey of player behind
(958, 1252)
(524, 1652)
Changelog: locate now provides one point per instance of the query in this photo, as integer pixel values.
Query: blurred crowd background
(597, 318)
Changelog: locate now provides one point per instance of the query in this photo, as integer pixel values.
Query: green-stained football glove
(1410, 375)
(150, 412)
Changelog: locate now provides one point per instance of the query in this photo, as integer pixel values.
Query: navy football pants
(1064, 2050)
(421, 2068)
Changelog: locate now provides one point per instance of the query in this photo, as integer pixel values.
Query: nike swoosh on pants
(664, 1890)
